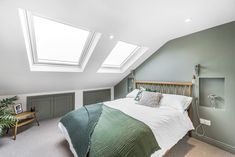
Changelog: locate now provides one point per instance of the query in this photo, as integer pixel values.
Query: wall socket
(205, 121)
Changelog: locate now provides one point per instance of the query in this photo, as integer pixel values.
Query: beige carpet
(191, 147)
(46, 141)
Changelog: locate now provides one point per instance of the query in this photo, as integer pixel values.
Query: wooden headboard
(178, 88)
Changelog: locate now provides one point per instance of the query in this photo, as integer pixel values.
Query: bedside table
(23, 119)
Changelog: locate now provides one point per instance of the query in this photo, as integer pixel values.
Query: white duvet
(168, 125)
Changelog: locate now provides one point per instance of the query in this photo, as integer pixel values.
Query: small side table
(23, 119)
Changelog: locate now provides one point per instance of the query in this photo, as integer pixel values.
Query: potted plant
(7, 118)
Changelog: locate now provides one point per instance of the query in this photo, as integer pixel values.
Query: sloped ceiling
(149, 23)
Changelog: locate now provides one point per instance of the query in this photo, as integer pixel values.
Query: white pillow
(133, 93)
(177, 102)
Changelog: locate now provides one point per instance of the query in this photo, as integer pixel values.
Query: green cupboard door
(63, 103)
(96, 96)
(43, 106)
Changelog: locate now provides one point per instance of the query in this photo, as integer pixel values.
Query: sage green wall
(121, 89)
(214, 49)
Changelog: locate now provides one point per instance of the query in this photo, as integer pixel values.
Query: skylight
(120, 54)
(55, 44)
(122, 57)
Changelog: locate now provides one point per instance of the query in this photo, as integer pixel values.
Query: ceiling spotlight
(111, 37)
(188, 20)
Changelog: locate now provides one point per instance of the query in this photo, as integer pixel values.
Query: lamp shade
(194, 79)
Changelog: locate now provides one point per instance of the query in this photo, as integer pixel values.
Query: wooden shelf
(25, 121)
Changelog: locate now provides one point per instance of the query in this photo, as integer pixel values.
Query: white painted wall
(136, 22)
(78, 96)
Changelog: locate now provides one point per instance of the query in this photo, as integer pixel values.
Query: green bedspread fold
(80, 125)
(101, 131)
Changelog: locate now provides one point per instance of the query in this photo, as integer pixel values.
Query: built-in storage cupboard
(96, 96)
(51, 106)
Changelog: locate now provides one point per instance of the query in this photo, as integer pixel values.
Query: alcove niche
(210, 88)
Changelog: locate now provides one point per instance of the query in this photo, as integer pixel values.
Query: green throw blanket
(100, 131)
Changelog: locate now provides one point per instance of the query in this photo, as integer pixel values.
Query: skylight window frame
(126, 60)
(127, 63)
(28, 33)
(32, 37)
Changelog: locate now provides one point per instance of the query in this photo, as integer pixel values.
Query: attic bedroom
(117, 78)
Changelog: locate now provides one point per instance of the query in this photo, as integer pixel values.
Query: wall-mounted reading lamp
(132, 75)
(197, 72)
(194, 79)
(131, 79)
(197, 69)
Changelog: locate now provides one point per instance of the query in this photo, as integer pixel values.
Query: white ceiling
(149, 23)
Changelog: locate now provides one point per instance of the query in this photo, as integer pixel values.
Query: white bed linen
(168, 125)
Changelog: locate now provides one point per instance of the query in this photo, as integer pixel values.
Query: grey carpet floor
(46, 141)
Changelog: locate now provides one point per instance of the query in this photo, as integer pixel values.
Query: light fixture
(111, 37)
(132, 74)
(188, 20)
(197, 69)
(131, 80)
(194, 79)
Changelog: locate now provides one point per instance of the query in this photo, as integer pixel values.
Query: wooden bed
(178, 88)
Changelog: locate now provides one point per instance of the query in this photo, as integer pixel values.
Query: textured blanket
(100, 131)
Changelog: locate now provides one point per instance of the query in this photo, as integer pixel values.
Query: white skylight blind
(55, 46)
(120, 54)
(58, 43)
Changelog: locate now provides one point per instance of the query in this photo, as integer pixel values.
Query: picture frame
(18, 108)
